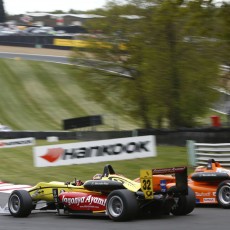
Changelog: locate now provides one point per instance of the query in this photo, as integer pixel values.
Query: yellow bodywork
(44, 190)
(127, 183)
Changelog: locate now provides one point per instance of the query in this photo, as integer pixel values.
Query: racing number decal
(146, 183)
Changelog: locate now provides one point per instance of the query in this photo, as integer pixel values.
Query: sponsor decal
(168, 170)
(209, 200)
(55, 153)
(16, 142)
(203, 193)
(163, 185)
(95, 151)
(100, 182)
(208, 175)
(88, 200)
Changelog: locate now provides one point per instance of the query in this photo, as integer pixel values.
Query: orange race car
(210, 183)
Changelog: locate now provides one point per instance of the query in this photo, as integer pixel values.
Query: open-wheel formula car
(111, 194)
(211, 184)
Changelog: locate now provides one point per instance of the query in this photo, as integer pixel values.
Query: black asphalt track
(202, 218)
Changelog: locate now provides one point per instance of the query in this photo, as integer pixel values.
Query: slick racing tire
(223, 194)
(121, 205)
(20, 203)
(185, 203)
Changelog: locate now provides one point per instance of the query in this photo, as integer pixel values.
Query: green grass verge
(17, 165)
(39, 95)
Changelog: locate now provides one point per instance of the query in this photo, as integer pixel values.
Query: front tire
(122, 205)
(223, 194)
(185, 203)
(20, 203)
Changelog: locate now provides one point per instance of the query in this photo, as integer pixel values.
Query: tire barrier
(200, 153)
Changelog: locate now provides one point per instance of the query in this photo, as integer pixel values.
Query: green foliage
(2, 12)
(223, 32)
(171, 53)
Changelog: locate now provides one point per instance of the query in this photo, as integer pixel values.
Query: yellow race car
(110, 194)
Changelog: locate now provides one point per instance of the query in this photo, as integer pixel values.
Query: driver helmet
(77, 182)
(97, 176)
(200, 169)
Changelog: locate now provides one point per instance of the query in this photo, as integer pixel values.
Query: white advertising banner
(95, 151)
(10, 143)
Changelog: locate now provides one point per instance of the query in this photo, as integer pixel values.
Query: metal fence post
(191, 152)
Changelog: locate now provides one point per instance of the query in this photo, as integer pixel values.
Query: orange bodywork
(205, 186)
(170, 181)
(205, 191)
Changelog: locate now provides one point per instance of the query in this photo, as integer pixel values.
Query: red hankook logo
(53, 154)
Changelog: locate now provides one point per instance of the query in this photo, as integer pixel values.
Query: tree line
(2, 12)
(174, 50)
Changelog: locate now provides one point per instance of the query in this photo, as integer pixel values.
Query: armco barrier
(200, 153)
(179, 137)
(66, 135)
(163, 137)
(43, 41)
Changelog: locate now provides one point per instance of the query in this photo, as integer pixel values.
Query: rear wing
(181, 181)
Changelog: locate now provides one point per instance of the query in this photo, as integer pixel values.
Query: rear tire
(223, 194)
(122, 205)
(20, 203)
(185, 204)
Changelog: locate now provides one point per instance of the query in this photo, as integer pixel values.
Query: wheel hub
(116, 206)
(14, 204)
(225, 194)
